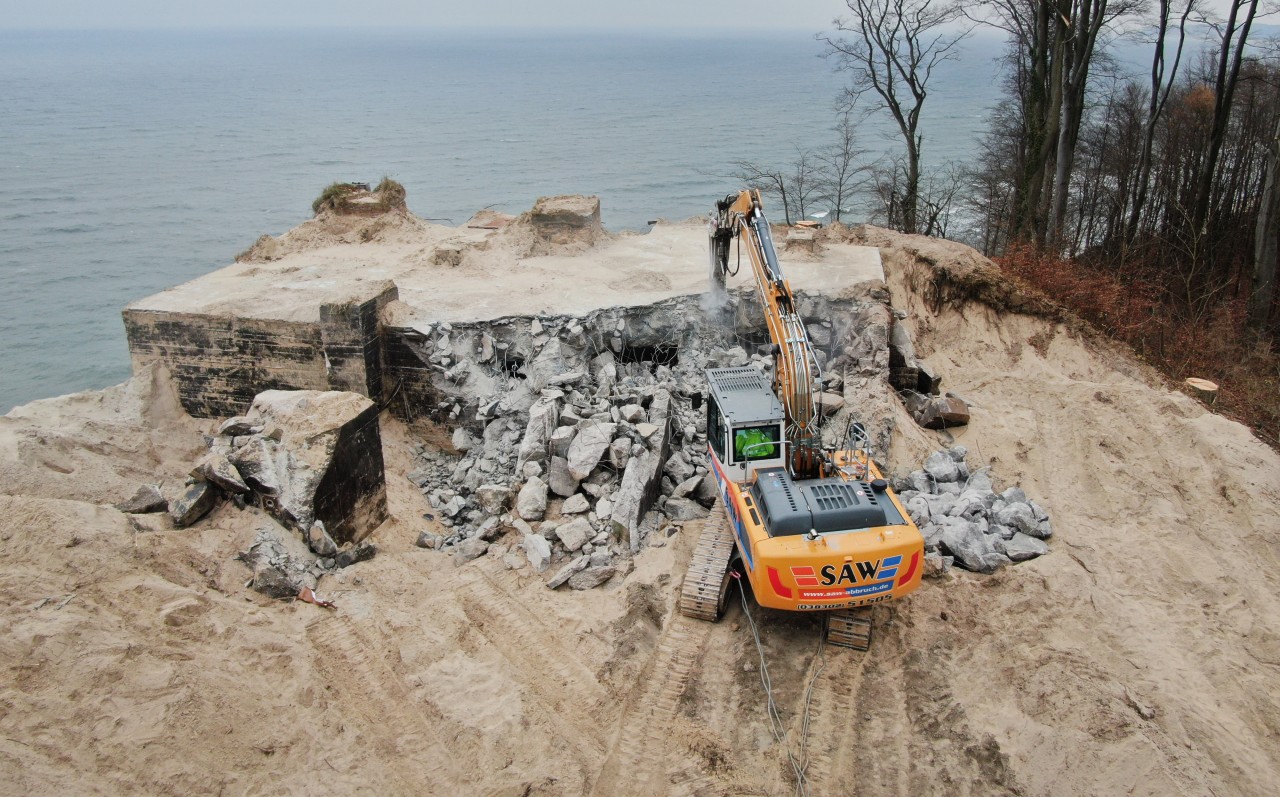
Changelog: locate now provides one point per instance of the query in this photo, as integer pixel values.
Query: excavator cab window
(715, 429)
(756, 442)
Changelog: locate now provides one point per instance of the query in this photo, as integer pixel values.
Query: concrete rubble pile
(581, 440)
(312, 460)
(965, 522)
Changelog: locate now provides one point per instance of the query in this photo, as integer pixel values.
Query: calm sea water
(133, 161)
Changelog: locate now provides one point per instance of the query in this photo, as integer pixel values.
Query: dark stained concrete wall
(221, 362)
(351, 499)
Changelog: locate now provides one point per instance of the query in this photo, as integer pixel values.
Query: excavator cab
(744, 423)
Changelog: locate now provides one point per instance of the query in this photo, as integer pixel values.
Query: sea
(132, 161)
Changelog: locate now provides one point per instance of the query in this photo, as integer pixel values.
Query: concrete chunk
(194, 503)
(575, 505)
(574, 534)
(588, 446)
(531, 503)
(216, 468)
(559, 479)
(145, 500)
(567, 572)
(590, 578)
(538, 550)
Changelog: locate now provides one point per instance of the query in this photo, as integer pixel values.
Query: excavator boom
(796, 370)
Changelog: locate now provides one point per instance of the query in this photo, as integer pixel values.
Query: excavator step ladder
(849, 628)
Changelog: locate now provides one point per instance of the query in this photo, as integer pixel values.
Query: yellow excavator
(812, 528)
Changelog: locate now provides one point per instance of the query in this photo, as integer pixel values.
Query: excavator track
(849, 628)
(707, 581)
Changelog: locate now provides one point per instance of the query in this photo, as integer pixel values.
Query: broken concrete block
(566, 572)
(538, 550)
(928, 382)
(678, 467)
(631, 413)
(684, 509)
(591, 577)
(238, 426)
(574, 534)
(544, 416)
(145, 500)
(473, 548)
(566, 220)
(588, 446)
(493, 498)
(972, 549)
(328, 464)
(560, 441)
(636, 494)
(708, 491)
(320, 541)
(619, 453)
(216, 468)
(462, 439)
(559, 479)
(943, 413)
(902, 352)
(942, 467)
(1021, 547)
(531, 503)
(575, 505)
(194, 503)
(687, 487)
(256, 462)
(362, 552)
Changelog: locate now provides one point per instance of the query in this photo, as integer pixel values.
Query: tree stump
(1203, 389)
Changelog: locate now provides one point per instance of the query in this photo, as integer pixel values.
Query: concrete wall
(221, 362)
(352, 497)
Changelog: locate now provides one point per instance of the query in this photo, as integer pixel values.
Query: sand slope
(1139, 657)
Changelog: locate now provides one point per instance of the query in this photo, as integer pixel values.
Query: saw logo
(848, 573)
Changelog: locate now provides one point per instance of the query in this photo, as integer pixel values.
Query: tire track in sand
(640, 756)
(834, 724)
(368, 688)
(551, 674)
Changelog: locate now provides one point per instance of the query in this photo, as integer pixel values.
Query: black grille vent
(734, 380)
(833, 496)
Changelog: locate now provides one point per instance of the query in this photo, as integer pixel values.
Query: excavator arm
(741, 216)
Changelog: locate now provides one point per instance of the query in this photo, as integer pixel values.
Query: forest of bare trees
(1145, 200)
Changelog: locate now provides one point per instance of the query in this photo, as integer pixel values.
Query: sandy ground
(1139, 657)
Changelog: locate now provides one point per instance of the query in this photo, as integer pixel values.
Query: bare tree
(938, 199)
(842, 172)
(1162, 82)
(796, 186)
(890, 52)
(1262, 289)
(806, 183)
(1234, 35)
(771, 182)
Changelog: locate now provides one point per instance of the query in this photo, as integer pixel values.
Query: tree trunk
(1228, 73)
(1266, 241)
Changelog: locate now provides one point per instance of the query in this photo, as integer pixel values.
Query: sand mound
(332, 229)
(98, 446)
(1138, 657)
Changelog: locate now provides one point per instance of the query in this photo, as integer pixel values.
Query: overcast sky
(806, 15)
